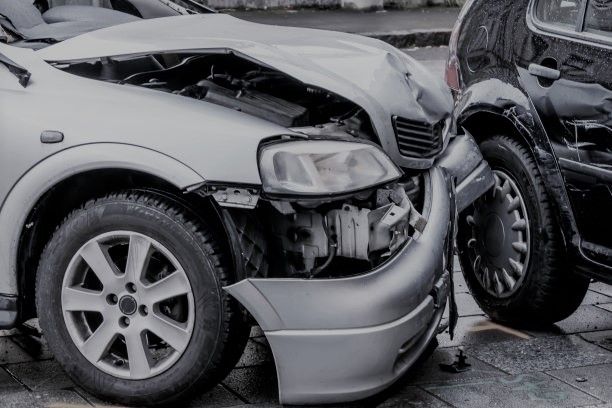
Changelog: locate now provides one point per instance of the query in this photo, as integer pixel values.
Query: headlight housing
(323, 167)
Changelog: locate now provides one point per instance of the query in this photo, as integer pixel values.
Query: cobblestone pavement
(566, 365)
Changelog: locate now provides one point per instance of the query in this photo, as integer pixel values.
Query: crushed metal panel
(314, 57)
(360, 301)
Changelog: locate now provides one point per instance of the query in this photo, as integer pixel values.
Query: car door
(566, 69)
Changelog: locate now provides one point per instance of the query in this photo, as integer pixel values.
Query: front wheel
(510, 245)
(129, 296)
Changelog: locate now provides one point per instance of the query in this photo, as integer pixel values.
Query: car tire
(510, 244)
(205, 330)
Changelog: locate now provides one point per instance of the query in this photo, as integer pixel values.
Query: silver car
(170, 177)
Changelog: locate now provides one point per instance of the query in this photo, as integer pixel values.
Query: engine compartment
(325, 237)
(345, 237)
(234, 82)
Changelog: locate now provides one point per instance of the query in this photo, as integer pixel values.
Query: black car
(533, 84)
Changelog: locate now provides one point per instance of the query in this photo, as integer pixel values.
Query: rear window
(559, 12)
(599, 17)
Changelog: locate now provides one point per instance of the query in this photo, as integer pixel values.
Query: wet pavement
(568, 364)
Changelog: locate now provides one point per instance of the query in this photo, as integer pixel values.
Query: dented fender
(508, 101)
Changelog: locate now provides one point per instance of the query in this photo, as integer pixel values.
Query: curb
(411, 39)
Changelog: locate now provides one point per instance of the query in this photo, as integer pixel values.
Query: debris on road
(460, 365)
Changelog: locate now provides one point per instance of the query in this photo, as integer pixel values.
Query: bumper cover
(333, 366)
(473, 176)
(338, 340)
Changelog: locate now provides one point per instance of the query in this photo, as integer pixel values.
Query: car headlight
(323, 167)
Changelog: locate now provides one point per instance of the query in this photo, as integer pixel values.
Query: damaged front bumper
(344, 339)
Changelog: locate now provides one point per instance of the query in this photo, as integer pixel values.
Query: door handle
(544, 72)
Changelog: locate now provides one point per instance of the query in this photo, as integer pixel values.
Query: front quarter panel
(42, 177)
(207, 138)
(181, 140)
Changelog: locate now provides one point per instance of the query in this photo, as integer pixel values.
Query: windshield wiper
(20, 72)
(46, 40)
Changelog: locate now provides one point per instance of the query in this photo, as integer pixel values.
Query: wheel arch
(521, 122)
(49, 191)
(479, 125)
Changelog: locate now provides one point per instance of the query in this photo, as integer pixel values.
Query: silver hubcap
(128, 305)
(500, 244)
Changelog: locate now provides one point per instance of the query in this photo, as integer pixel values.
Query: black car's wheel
(510, 244)
(129, 296)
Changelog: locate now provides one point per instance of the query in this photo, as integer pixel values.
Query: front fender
(216, 142)
(62, 165)
(510, 105)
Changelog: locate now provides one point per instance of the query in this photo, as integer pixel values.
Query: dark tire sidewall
(509, 159)
(123, 215)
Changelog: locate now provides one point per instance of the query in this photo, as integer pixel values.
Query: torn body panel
(239, 84)
(387, 309)
(67, 86)
(317, 237)
(466, 165)
(352, 233)
(580, 132)
(389, 313)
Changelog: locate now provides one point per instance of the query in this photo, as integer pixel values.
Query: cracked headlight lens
(323, 167)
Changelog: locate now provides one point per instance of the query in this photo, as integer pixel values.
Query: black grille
(418, 139)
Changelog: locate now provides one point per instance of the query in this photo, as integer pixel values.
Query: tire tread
(552, 292)
(232, 337)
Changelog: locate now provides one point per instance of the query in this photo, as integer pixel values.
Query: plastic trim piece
(586, 169)
(463, 160)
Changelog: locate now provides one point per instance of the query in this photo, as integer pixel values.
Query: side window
(599, 17)
(558, 12)
(585, 19)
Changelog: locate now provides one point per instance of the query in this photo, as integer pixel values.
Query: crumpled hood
(378, 77)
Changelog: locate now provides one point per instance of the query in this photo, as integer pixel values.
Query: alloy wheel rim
(499, 247)
(128, 305)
